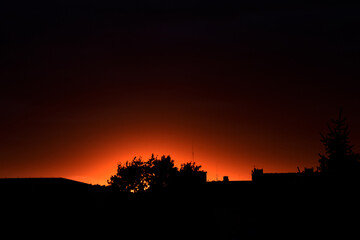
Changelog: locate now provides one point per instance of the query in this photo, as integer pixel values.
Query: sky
(85, 85)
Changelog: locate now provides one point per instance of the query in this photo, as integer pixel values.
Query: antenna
(192, 150)
(216, 170)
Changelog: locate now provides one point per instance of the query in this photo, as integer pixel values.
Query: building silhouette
(308, 176)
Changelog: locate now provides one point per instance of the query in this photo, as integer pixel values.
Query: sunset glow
(83, 90)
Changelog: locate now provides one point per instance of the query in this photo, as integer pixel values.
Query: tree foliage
(161, 172)
(339, 157)
(155, 174)
(189, 167)
(131, 176)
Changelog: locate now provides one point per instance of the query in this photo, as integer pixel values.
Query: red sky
(84, 88)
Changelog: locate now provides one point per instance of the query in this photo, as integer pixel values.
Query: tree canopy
(152, 175)
(131, 176)
(339, 157)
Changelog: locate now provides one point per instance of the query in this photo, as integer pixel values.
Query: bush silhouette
(130, 177)
(162, 172)
(153, 175)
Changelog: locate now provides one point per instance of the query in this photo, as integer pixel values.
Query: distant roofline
(230, 182)
(280, 173)
(45, 178)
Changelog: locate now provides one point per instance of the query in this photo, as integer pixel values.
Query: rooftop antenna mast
(192, 151)
(216, 169)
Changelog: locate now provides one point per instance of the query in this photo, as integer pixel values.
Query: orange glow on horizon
(92, 152)
(214, 159)
(102, 161)
(241, 89)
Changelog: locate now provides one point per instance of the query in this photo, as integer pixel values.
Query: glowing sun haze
(83, 89)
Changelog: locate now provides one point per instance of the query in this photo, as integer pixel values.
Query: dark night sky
(86, 84)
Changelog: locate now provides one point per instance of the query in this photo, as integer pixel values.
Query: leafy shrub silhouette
(153, 175)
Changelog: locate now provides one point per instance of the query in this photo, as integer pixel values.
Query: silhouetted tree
(189, 168)
(338, 158)
(161, 172)
(155, 174)
(131, 177)
(190, 173)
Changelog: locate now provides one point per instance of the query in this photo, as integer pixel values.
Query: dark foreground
(218, 210)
